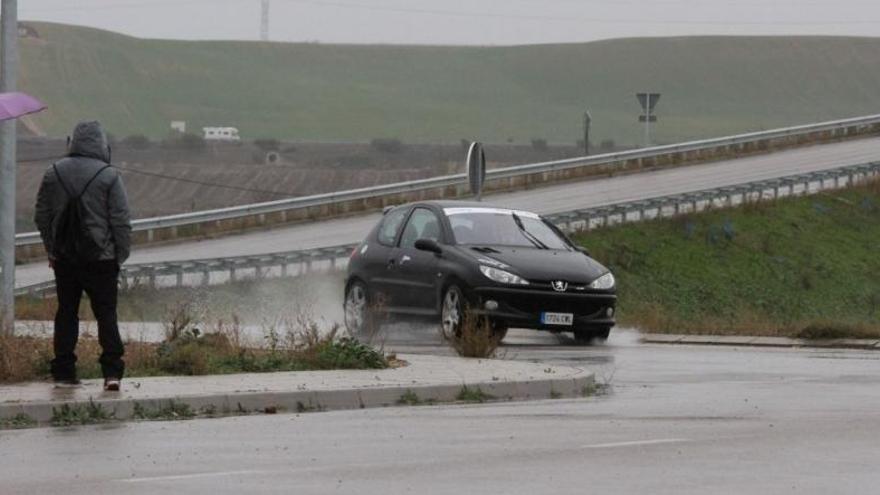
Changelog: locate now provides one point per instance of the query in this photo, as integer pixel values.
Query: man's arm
(44, 211)
(120, 219)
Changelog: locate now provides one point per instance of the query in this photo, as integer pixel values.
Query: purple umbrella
(14, 105)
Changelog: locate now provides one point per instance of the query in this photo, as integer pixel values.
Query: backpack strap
(89, 183)
(61, 181)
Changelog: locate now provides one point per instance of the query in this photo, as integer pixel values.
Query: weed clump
(467, 394)
(17, 422)
(81, 414)
(475, 337)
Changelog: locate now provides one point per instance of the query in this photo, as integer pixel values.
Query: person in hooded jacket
(105, 216)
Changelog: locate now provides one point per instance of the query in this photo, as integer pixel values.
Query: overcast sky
(484, 22)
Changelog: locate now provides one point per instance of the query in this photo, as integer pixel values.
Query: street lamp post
(8, 79)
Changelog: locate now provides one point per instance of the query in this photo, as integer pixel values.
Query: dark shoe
(68, 383)
(111, 384)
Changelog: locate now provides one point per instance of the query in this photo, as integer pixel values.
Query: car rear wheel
(590, 337)
(358, 315)
(452, 311)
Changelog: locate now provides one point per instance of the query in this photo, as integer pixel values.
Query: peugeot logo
(559, 285)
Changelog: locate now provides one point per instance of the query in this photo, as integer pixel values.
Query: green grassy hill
(711, 86)
(776, 268)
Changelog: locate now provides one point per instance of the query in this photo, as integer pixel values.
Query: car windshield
(500, 227)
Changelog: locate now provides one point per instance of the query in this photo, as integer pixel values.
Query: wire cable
(279, 194)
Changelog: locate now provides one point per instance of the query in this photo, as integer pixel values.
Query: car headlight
(604, 282)
(502, 276)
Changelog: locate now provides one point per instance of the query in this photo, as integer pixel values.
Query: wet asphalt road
(550, 199)
(676, 420)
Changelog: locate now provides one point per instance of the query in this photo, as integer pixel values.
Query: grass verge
(798, 267)
(292, 343)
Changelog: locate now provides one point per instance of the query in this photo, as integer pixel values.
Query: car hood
(541, 264)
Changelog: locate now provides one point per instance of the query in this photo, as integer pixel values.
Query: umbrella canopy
(14, 105)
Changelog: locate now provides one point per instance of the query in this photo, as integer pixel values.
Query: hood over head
(90, 140)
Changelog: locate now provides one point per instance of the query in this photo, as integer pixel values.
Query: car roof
(448, 203)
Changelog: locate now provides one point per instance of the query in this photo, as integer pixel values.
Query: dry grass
(653, 319)
(476, 339)
(289, 343)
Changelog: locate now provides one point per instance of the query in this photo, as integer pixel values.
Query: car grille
(555, 304)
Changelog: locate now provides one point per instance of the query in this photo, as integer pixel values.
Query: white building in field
(221, 134)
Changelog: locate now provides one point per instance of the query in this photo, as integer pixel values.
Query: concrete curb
(747, 341)
(573, 385)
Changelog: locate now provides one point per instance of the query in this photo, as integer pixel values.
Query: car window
(423, 224)
(493, 226)
(391, 226)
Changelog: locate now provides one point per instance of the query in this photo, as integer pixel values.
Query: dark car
(440, 258)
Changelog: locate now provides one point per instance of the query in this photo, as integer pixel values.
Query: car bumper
(522, 308)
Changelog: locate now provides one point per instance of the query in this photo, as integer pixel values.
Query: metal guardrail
(260, 266)
(676, 204)
(253, 266)
(837, 127)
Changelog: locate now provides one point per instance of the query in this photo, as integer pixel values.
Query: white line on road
(635, 443)
(190, 476)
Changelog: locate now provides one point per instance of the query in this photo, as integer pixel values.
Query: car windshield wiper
(528, 235)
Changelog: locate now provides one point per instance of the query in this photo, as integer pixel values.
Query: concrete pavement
(679, 420)
(749, 341)
(430, 378)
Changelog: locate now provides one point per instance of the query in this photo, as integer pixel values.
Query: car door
(414, 272)
(377, 269)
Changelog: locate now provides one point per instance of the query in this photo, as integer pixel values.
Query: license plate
(557, 319)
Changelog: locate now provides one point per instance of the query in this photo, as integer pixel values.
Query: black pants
(98, 280)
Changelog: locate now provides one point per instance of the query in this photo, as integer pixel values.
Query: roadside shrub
(347, 353)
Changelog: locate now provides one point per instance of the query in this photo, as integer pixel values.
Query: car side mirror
(429, 245)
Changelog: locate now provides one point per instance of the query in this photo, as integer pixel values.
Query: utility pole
(648, 101)
(264, 21)
(588, 119)
(8, 79)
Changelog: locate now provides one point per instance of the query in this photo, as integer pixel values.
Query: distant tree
(540, 144)
(384, 145)
(137, 142)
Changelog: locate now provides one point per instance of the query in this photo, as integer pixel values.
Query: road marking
(635, 443)
(189, 476)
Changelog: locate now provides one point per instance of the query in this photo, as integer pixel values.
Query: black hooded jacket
(107, 212)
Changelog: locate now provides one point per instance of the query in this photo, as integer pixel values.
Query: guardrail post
(152, 278)
(180, 277)
(284, 270)
(206, 277)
